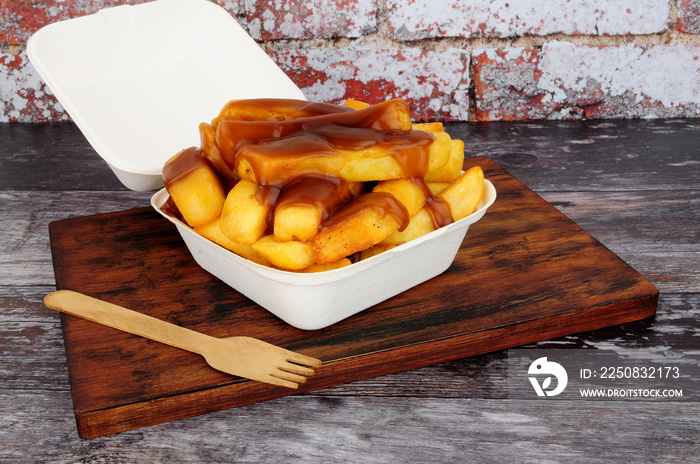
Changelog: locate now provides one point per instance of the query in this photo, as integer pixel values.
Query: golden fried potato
(440, 151)
(453, 168)
(194, 187)
(300, 222)
(368, 219)
(353, 234)
(377, 164)
(463, 196)
(429, 126)
(291, 255)
(212, 231)
(232, 134)
(327, 267)
(303, 204)
(273, 109)
(421, 224)
(207, 140)
(437, 187)
(356, 104)
(366, 165)
(356, 188)
(372, 144)
(407, 191)
(244, 216)
(375, 250)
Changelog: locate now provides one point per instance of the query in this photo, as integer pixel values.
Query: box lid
(138, 79)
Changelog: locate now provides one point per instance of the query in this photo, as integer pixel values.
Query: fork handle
(118, 317)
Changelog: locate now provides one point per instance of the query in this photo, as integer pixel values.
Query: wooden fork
(242, 356)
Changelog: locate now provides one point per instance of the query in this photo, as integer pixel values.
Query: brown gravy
(182, 164)
(437, 207)
(296, 130)
(290, 141)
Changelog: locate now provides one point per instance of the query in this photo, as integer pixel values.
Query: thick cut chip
(303, 204)
(453, 168)
(368, 219)
(433, 127)
(374, 163)
(298, 222)
(207, 140)
(291, 255)
(437, 187)
(375, 250)
(327, 267)
(421, 224)
(245, 213)
(194, 187)
(273, 109)
(440, 151)
(463, 195)
(232, 134)
(354, 234)
(356, 188)
(356, 104)
(375, 143)
(409, 192)
(213, 232)
(377, 163)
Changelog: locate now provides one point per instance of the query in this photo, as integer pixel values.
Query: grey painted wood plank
(378, 430)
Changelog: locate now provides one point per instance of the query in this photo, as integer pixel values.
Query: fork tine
(298, 358)
(289, 376)
(283, 383)
(297, 369)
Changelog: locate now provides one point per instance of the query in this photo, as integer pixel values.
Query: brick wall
(478, 60)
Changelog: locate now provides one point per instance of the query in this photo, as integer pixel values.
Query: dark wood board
(525, 273)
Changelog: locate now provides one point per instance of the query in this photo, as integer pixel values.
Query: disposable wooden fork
(242, 356)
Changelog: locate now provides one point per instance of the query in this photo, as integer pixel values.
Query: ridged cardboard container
(317, 300)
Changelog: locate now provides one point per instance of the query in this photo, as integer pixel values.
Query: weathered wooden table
(633, 185)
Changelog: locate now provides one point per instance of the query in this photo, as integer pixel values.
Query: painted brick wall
(452, 60)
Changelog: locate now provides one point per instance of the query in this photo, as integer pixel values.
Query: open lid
(138, 79)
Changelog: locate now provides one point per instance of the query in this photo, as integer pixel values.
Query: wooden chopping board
(525, 273)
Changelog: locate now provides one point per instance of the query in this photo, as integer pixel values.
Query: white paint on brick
(299, 19)
(439, 77)
(669, 74)
(417, 19)
(22, 91)
(231, 6)
(500, 55)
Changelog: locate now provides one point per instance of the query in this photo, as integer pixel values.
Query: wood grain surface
(524, 273)
(631, 184)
